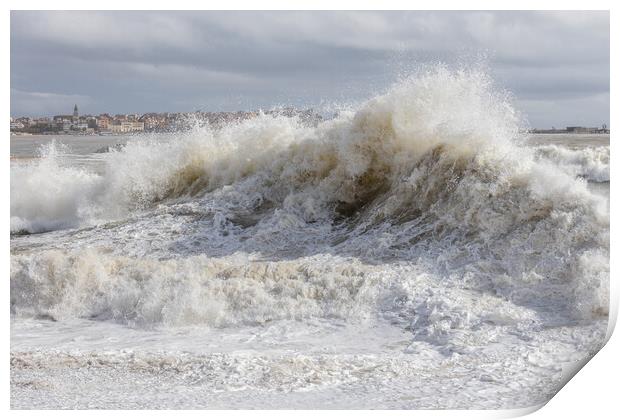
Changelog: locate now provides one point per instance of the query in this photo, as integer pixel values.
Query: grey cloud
(48, 103)
(153, 61)
(581, 111)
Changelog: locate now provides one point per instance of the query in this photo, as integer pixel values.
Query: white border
(592, 393)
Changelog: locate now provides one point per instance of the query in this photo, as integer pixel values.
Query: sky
(556, 64)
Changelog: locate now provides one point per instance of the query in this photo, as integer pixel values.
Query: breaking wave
(419, 207)
(590, 163)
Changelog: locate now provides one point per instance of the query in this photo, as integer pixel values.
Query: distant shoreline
(109, 134)
(87, 135)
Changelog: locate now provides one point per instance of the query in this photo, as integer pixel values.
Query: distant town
(106, 124)
(572, 130)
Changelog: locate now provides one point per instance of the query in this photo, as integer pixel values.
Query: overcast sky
(555, 63)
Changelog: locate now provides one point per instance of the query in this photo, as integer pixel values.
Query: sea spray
(47, 194)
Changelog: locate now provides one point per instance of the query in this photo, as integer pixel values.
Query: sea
(420, 250)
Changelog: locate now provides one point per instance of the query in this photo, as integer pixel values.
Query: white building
(16, 125)
(126, 126)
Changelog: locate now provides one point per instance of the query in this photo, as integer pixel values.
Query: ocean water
(418, 251)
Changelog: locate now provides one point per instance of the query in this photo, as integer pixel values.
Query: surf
(432, 175)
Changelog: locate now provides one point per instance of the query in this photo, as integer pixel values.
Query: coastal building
(126, 126)
(63, 122)
(136, 125)
(152, 121)
(81, 126)
(16, 125)
(582, 130)
(103, 122)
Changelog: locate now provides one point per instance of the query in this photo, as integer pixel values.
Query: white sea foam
(47, 195)
(591, 163)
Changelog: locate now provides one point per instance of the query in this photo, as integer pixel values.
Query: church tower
(75, 112)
